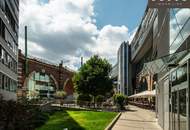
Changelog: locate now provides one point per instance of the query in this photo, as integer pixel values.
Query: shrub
(84, 100)
(119, 99)
(18, 116)
(99, 99)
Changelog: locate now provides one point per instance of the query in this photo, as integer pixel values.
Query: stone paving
(137, 119)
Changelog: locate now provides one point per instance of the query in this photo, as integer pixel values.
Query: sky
(69, 29)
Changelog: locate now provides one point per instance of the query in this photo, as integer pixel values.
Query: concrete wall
(8, 95)
(163, 32)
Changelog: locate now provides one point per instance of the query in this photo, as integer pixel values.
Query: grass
(78, 120)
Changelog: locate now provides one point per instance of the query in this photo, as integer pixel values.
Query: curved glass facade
(179, 27)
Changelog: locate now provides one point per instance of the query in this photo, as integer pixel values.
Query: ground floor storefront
(172, 91)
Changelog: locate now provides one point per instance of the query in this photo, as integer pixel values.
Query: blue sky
(119, 12)
(71, 29)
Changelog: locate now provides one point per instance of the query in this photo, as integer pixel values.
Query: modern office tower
(123, 81)
(9, 27)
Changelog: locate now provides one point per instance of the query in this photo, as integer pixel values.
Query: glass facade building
(123, 69)
(162, 53)
(9, 24)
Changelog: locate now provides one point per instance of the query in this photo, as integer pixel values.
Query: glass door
(182, 110)
(178, 113)
(174, 117)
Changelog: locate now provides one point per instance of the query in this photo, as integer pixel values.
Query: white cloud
(109, 40)
(66, 29)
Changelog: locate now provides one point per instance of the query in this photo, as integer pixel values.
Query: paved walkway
(137, 119)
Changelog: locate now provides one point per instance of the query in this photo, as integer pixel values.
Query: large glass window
(1, 80)
(155, 27)
(7, 60)
(179, 75)
(41, 85)
(182, 110)
(7, 83)
(179, 27)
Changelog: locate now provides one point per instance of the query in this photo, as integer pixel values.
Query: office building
(9, 27)
(121, 71)
(160, 59)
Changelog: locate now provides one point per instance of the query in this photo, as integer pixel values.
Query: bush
(18, 116)
(119, 99)
(84, 100)
(99, 100)
(60, 94)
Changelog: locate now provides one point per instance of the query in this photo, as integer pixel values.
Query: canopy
(144, 94)
(163, 63)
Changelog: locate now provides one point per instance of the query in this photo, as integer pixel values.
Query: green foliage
(93, 77)
(86, 97)
(60, 94)
(119, 99)
(18, 116)
(84, 100)
(99, 99)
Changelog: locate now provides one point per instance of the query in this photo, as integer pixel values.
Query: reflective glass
(179, 27)
(182, 110)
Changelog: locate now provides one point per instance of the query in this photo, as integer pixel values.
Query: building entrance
(179, 115)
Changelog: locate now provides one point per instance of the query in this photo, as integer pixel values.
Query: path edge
(110, 126)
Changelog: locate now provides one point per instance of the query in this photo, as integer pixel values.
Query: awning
(144, 94)
(163, 63)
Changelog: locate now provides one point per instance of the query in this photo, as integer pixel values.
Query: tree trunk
(94, 102)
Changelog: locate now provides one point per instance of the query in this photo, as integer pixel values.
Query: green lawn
(78, 120)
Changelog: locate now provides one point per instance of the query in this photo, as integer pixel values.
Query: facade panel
(8, 47)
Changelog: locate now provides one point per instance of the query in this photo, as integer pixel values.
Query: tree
(93, 77)
(99, 100)
(84, 100)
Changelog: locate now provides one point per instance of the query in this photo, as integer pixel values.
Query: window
(179, 76)
(1, 80)
(155, 27)
(179, 27)
(173, 78)
(2, 29)
(10, 17)
(2, 5)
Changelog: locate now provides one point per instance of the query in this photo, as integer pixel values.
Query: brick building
(42, 77)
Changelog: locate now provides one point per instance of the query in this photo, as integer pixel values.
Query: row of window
(7, 60)
(143, 28)
(9, 16)
(7, 84)
(4, 33)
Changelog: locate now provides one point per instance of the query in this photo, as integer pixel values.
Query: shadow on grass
(60, 121)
